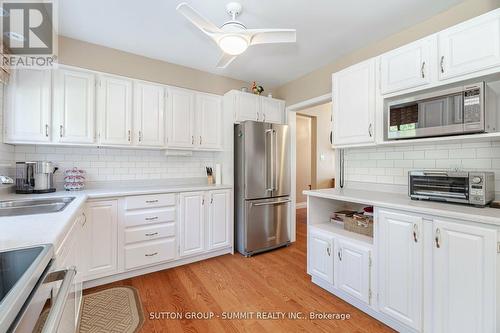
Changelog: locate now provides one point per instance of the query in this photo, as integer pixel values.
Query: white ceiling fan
(233, 37)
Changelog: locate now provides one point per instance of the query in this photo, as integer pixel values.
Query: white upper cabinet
(272, 110)
(464, 277)
(28, 106)
(409, 66)
(114, 107)
(401, 267)
(74, 106)
(180, 118)
(149, 114)
(354, 104)
(219, 219)
(247, 106)
(470, 46)
(320, 255)
(208, 121)
(352, 269)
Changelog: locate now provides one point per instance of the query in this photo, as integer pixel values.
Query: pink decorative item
(74, 179)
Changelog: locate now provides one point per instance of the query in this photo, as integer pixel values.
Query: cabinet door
(400, 259)
(320, 255)
(149, 114)
(28, 116)
(192, 223)
(407, 67)
(180, 119)
(464, 277)
(247, 107)
(352, 268)
(471, 46)
(74, 106)
(209, 121)
(272, 110)
(219, 219)
(354, 104)
(114, 106)
(101, 239)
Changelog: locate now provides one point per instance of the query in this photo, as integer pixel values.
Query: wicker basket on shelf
(360, 224)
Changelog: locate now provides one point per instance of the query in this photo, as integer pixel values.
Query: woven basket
(359, 224)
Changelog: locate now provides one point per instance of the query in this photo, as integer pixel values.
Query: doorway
(306, 150)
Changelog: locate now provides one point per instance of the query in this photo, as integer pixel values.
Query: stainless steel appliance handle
(269, 187)
(57, 309)
(275, 158)
(271, 203)
(437, 173)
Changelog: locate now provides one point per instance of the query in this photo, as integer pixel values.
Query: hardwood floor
(271, 282)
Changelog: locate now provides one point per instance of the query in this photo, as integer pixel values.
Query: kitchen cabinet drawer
(150, 216)
(151, 232)
(149, 201)
(149, 253)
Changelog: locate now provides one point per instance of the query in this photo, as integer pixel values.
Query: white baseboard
(299, 205)
(155, 268)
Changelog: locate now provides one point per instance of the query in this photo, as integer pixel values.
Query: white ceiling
(326, 29)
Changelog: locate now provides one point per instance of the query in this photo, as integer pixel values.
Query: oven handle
(54, 318)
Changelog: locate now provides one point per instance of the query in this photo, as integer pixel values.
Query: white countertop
(403, 202)
(28, 230)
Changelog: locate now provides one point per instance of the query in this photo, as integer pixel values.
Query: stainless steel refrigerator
(262, 186)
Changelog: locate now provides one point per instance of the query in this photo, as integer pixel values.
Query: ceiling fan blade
(197, 19)
(266, 36)
(225, 60)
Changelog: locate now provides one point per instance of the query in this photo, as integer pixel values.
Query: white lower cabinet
(464, 277)
(352, 269)
(219, 219)
(100, 239)
(401, 267)
(320, 255)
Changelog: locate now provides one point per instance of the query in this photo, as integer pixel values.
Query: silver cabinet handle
(264, 115)
(200, 140)
(61, 131)
(415, 233)
(54, 318)
(442, 64)
(339, 254)
(84, 219)
(151, 218)
(438, 238)
(211, 200)
(151, 234)
(152, 201)
(328, 251)
(47, 130)
(192, 139)
(151, 254)
(422, 70)
(370, 130)
(140, 136)
(271, 203)
(257, 116)
(129, 135)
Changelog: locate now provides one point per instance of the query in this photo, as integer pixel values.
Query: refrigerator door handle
(271, 203)
(269, 166)
(275, 158)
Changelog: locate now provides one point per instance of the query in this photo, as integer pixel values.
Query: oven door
(437, 116)
(440, 186)
(48, 304)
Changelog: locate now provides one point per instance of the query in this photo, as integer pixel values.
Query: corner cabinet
(247, 106)
(354, 104)
(28, 106)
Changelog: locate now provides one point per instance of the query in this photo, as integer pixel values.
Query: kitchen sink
(34, 206)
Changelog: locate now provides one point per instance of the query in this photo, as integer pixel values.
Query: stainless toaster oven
(474, 188)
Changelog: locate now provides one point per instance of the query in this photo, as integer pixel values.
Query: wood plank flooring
(271, 282)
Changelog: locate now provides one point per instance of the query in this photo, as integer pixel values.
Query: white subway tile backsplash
(386, 166)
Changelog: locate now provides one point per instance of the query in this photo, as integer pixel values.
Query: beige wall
(318, 82)
(95, 57)
(304, 162)
(325, 169)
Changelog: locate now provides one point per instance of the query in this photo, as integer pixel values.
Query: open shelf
(339, 230)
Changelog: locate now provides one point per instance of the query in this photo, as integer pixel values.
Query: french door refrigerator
(262, 186)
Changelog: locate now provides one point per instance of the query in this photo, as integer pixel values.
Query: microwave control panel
(472, 106)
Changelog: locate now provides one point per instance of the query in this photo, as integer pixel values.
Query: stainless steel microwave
(452, 111)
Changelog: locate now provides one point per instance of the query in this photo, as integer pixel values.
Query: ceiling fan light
(233, 44)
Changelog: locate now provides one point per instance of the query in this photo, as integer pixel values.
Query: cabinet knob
(328, 251)
(339, 254)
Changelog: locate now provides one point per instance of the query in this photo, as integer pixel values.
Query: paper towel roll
(218, 176)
